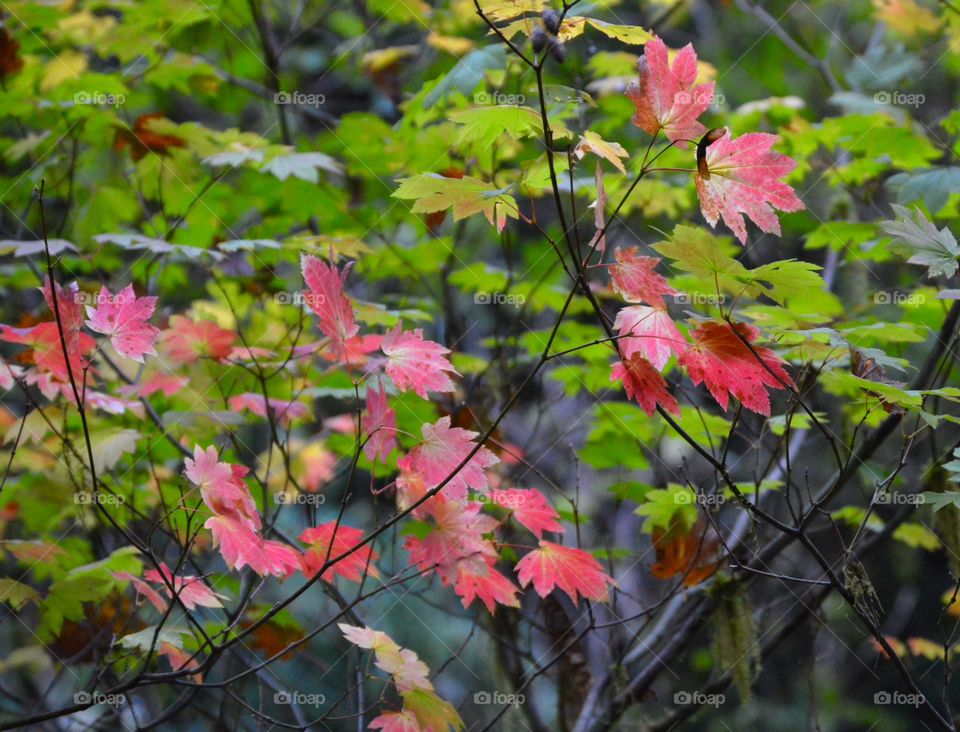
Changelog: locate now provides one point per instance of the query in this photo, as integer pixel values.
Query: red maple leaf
(330, 540)
(142, 140)
(741, 177)
(487, 585)
(123, 319)
(644, 384)
(668, 98)
(186, 341)
(529, 507)
(44, 338)
(554, 566)
(720, 359)
(636, 279)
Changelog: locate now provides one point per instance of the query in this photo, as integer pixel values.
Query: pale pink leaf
(413, 362)
(740, 178)
(649, 332)
(123, 319)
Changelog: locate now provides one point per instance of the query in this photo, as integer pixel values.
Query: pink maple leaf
(722, 361)
(328, 541)
(529, 507)
(144, 589)
(636, 279)
(283, 410)
(442, 450)
(668, 98)
(407, 670)
(180, 660)
(222, 486)
(379, 425)
(644, 384)
(742, 177)
(574, 571)
(649, 332)
(403, 721)
(165, 383)
(487, 585)
(241, 546)
(415, 363)
(455, 540)
(123, 319)
(315, 465)
(326, 298)
(186, 341)
(193, 591)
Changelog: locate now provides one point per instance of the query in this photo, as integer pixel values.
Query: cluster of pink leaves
(738, 177)
(735, 178)
(121, 317)
(722, 354)
(440, 473)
